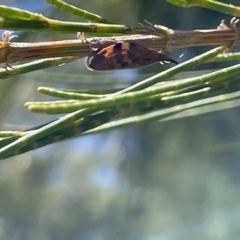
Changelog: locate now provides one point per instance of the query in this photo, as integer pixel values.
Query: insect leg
(6, 38)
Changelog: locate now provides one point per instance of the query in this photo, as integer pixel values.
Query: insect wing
(109, 58)
(125, 55)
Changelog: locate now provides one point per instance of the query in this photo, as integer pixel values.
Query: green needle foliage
(17, 19)
(88, 112)
(112, 100)
(78, 12)
(210, 4)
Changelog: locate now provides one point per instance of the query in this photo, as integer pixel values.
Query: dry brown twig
(163, 39)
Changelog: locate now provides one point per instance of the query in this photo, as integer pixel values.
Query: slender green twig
(12, 13)
(33, 66)
(121, 97)
(169, 113)
(70, 130)
(77, 127)
(44, 131)
(174, 70)
(235, 56)
(78, 11)
(67, 94)
(210, 4)
(124, 110)
(25, 20)
(73, 105)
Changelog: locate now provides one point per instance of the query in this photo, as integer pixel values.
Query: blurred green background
(170, 180)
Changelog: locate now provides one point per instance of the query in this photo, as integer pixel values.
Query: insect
(124, 55)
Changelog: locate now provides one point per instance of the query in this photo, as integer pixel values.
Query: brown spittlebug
(124, 55)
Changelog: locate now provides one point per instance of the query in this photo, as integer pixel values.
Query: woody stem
(13, 52)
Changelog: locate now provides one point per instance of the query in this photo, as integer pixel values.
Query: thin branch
(163, 39)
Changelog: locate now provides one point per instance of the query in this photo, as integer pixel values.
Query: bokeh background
(168, 180)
